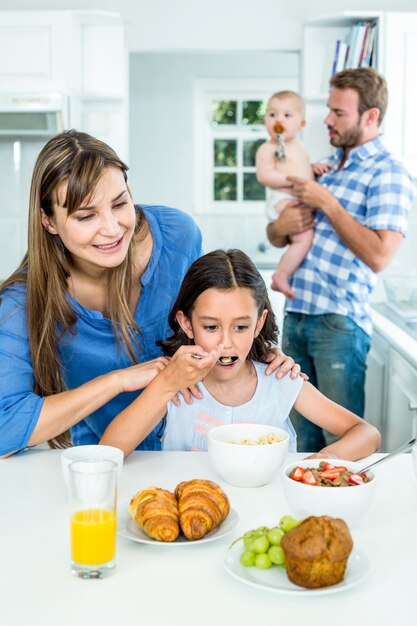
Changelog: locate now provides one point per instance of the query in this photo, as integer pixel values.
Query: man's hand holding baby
(312, 194)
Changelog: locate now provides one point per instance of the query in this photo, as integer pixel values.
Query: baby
(284, 155)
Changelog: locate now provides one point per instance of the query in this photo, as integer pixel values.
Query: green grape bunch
(263, 545)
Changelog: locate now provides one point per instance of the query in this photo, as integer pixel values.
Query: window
(229, 129)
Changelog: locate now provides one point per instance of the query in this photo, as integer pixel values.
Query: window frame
(205, 91)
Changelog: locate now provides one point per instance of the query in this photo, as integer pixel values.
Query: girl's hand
(322, 455)
(139, 376)
(282, 364)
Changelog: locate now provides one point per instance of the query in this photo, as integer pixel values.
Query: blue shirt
(92, 350)
(188, 425)
(377, 192)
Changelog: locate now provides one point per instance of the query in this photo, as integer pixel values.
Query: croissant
(155, 510)
(202, 505)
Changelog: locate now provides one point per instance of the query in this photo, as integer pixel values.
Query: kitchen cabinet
(395, 60)
(80, 54)
(391, 383)
(376, 382)
(401, 408)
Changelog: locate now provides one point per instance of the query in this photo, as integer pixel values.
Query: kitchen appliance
(27, 122)
(32, 115)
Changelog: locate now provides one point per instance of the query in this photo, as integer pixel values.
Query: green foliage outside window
(224, 112)
(249, 152)
(225, 186)
(225, 153)
(252, 190)
(253, 112)
(234, 151)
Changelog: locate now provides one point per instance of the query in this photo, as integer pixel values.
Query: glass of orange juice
(92, 489)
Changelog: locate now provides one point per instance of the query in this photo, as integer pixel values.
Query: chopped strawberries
(356, 479)
(298, 473)
(308, 478)
(330, 474)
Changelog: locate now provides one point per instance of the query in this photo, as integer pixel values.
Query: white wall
(213, 24)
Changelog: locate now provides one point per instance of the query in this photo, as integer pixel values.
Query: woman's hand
(282, 364)
(139, 376)
(188, 366)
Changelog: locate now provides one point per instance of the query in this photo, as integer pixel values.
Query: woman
(91, 297)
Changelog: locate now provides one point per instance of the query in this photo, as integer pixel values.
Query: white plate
(127, 528)
(276, 579)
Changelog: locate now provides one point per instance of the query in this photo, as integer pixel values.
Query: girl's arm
(358, 439)
(136, 421)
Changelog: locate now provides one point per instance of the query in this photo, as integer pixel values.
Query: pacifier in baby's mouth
(279, 129)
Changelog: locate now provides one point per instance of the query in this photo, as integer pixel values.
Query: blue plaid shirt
(377, 191)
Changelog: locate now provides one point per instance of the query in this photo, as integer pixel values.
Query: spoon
(389, 456)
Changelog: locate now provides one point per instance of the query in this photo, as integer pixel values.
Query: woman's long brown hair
(80, 160)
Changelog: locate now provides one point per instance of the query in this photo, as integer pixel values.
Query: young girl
(223, 301)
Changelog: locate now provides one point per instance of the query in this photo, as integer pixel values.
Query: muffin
(316, 551)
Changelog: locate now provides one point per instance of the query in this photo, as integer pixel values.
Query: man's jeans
(331, 349)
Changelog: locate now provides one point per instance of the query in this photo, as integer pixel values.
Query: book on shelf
(374, 51)
(359, 49)
(339, 59)
(351, 42)
(360, 41)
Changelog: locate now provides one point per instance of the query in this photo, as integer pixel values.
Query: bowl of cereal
(329, 487)
(247, 455)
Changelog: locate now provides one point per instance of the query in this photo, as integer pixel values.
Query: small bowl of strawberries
(331, 487)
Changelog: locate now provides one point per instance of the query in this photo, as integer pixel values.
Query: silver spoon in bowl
(403, 448)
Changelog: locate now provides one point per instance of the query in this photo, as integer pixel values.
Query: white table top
(161, 586)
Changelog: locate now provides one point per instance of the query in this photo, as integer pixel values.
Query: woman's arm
(358, 439)
(136, 421)
(63, 410)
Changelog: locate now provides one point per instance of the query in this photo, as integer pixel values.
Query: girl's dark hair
(223, 270)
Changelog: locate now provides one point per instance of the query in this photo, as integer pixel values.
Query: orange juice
(93, 536)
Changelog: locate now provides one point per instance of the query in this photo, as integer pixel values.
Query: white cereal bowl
(245, 465)
(91, 453)
(347, 503)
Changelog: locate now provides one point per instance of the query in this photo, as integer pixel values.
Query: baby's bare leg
(289, 262)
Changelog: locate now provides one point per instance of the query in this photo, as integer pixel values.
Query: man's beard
(348, 139)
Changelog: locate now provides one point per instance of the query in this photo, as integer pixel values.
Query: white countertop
(159, 585)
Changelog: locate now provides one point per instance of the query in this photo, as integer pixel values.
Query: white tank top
(187, 425)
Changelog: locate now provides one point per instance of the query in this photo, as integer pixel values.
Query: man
(361, 209)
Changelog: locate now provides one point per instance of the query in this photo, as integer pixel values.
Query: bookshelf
(396, 52)
(319, 46)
